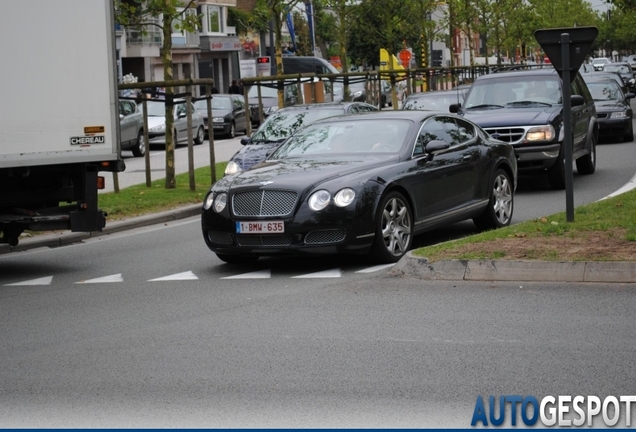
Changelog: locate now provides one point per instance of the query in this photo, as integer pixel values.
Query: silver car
(157, 123)
(131, 125)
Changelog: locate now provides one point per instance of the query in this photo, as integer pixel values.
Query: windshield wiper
(268, 141)
(484, 106)
(528, 102)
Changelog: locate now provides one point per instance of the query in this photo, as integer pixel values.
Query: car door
(180, 121)
(445, 181)
(127, 125)
(582, 114)
(238, 104)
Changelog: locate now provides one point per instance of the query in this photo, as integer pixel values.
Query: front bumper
(536, 157)
(613, 126)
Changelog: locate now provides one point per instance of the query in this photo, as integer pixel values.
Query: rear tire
(629, 136)
(393, 232)
(237, 259)
(500, 203)
(232, 132)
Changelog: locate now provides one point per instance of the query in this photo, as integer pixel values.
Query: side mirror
(246, 140)
(434, 147)
(629, 95)
(454, 108)
(577, 100)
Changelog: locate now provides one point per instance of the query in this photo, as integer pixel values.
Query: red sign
(405, 57)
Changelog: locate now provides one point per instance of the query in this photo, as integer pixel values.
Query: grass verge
(140, 200)
(601, 231)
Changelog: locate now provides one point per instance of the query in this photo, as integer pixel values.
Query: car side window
(437, 128)
(126, 108)
(465, 131)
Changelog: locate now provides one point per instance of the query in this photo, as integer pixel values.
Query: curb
(65, 238)
(504, 270)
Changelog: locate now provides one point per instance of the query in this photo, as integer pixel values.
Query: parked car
(624, 70)
(632, 61)
(599, 62)
(360, 91)
(228, 114)
(362, 184)
(438, 100)
(131, 125)
(524, 107)
(280, 125)
(613, 109)
(157, 123)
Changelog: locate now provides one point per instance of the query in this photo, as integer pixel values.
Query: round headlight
(159, 128)
(208, 201)
(232, 168)
(344, 197)
(219, 202)
(217, 119)
(319, 200)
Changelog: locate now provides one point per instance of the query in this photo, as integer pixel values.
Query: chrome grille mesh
(264, 240)
(264, 203)
(509, 135)
(325, 236)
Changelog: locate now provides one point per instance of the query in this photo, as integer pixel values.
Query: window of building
(212, 20)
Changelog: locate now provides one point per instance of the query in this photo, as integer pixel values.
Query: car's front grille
(326, 236)
(270, 240)
(509, 135)
(264, 203)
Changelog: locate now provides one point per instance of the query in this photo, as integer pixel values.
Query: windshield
(605, 90)
(617, 68)
(284, 123)
(432, 101)
(381, 136)
(497, 93)
(600, 61)
(218, 102)
(268, 92)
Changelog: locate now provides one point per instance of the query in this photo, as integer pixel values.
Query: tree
(174, 14)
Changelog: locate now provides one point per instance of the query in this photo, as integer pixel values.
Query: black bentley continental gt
(363, 184)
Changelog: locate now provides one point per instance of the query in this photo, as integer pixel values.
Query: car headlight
(220, 201)
(344, 197)
(217, 119)
(159, 128)
(357, 94)
(319, 200)
(208, 201)
(619, 114)
(232, 168)
(541, 133)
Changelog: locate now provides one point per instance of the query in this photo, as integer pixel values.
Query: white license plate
(264, 227)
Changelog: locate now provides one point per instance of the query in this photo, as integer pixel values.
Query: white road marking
(261, 274)
(106, 279)
(375, 268)
(40, 281)
(333, 273)
(178, 276)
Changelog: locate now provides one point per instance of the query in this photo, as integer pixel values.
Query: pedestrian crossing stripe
(333, 273)
(40, 281)
(179, 276)
(105, 279)
(261, 274)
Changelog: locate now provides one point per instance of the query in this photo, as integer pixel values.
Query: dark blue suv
(525, 108)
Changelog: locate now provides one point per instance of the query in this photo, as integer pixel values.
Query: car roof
(412, 115)
(322, 105)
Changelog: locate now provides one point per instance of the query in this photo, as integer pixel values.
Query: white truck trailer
(59, 119)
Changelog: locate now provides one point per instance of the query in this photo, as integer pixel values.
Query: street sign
(581, 39)
(405, 57)
(263, 66)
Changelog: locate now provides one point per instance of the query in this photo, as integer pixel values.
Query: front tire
(500, 203)
(587, 164)
(232, 132)
(393, 232)
(556, 173)
(139, 150)
(629, 135)
(200, 137)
